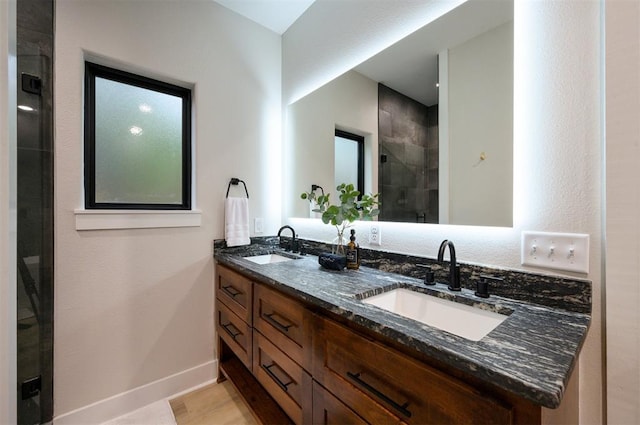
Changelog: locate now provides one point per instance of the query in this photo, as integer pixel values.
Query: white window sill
(135, 219)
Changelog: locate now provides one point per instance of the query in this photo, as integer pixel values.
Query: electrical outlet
(258, 225)
(375, 236)
(560, 251)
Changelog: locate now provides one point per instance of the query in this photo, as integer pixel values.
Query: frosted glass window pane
(138, 145)
(346, 161)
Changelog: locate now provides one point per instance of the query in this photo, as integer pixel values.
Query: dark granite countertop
(531, 354)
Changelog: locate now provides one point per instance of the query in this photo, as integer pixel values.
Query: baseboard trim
(144, 395)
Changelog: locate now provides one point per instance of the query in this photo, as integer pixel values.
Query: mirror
(436, 113)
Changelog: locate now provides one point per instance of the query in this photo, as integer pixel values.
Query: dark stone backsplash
(551, 291)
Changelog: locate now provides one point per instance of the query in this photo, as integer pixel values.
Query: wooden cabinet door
(285, 322)
(385, 386)
(328, 410)
(235, 333)
(236, 291)
(283, 379)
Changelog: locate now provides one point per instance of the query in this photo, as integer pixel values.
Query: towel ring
(234, 181)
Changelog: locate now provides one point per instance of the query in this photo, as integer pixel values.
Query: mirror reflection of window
(349, 159)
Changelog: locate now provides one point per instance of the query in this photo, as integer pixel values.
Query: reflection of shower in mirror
(422, 163)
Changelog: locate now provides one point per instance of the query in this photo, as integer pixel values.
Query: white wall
(480, 108)
(349, 103)
(134, 307)
(8, 347)
(332, 37)
(623, 211)
(557, 143)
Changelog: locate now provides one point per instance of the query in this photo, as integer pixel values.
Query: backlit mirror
(435, 113)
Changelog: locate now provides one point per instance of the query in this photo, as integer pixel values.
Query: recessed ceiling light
(145, 108)
(136, 131)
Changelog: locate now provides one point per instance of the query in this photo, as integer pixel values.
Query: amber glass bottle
(353, 254)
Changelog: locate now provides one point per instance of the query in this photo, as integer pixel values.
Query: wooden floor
(215, 404)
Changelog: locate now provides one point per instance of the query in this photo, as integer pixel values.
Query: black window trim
(93, 70)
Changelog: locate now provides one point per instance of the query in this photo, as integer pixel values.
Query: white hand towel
(236, 218)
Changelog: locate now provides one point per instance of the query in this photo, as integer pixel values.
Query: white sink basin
(459, 319)
(268, 259)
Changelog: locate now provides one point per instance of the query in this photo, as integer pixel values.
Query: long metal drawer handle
(402, 408)
(275, 378)
(233, 334)
(277, 324)
(233, 293)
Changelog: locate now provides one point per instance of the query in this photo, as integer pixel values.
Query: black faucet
(293, 246)
(454, 270)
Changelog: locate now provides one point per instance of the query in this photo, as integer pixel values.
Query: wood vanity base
(283, 355)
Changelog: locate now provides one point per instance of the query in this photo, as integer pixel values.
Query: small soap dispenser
(353, 254)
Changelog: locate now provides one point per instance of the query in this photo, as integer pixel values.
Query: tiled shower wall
(408, 172)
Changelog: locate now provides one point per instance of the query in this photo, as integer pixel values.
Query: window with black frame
(137, 142)
(349, 159)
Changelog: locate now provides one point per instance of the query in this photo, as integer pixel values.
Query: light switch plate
(258, 226)
(559, 251)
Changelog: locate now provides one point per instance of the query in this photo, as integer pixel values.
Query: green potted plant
(344, 214)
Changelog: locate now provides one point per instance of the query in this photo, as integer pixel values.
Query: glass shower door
(35, 213)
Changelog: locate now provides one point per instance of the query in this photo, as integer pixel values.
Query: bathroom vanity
(302, 346)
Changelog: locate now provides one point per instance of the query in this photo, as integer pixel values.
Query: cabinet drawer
(285, 322)
(235, 291)
(285, 380)
(328, 410)
(235, 333)
(385, 386)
